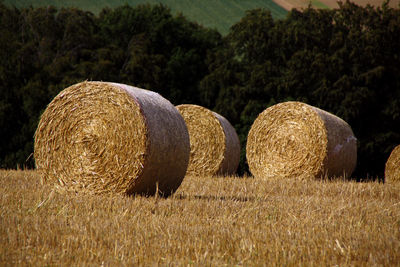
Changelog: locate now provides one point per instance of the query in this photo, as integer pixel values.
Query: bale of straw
(293, 139)
(214, 144)
(392, 167)
(99, 137)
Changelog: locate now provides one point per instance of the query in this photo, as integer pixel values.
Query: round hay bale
(392, 167)
(99, 137)
(293, 139)
(214, 144)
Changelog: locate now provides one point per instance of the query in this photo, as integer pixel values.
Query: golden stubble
(214, 221)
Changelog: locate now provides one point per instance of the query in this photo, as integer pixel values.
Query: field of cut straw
(209, 221)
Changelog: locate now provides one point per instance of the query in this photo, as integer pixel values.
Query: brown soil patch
(300, 4)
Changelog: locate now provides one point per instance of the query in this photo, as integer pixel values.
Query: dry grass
(209, 221)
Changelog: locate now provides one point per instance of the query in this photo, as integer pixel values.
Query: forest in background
(345, 61)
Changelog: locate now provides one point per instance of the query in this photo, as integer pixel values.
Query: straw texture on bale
(392, 167)
(214, 144)
(293, 139)
(99, 137)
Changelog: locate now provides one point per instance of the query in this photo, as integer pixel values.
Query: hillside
(219, 14)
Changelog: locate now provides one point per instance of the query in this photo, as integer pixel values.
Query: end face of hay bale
(214, 144)
(293, 139)
(392, 167)
(98, 137)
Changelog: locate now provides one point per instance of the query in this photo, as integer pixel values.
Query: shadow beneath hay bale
(368, 179)
(183, 196)
(224, 198)
(158, 194)
(234, 176)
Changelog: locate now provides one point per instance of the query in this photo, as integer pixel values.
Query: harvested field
(208, 222)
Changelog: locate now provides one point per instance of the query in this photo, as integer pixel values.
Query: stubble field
(209, 221)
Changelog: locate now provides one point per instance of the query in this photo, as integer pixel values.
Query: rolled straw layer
(98, 137)
(392, 167)
(293, 139)
(214, 144)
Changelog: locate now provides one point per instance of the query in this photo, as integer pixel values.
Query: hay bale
(98, 137)
(293, 139)
(392, 167)
(214, 144)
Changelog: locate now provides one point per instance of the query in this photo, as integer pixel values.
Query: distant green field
(318, 4)
(218, 14)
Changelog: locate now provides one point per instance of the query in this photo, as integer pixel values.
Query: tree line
(345, 61)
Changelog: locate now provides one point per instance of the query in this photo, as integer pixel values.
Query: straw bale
(214, 144)
(293, 139)
(392, 167)
(99, 137)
